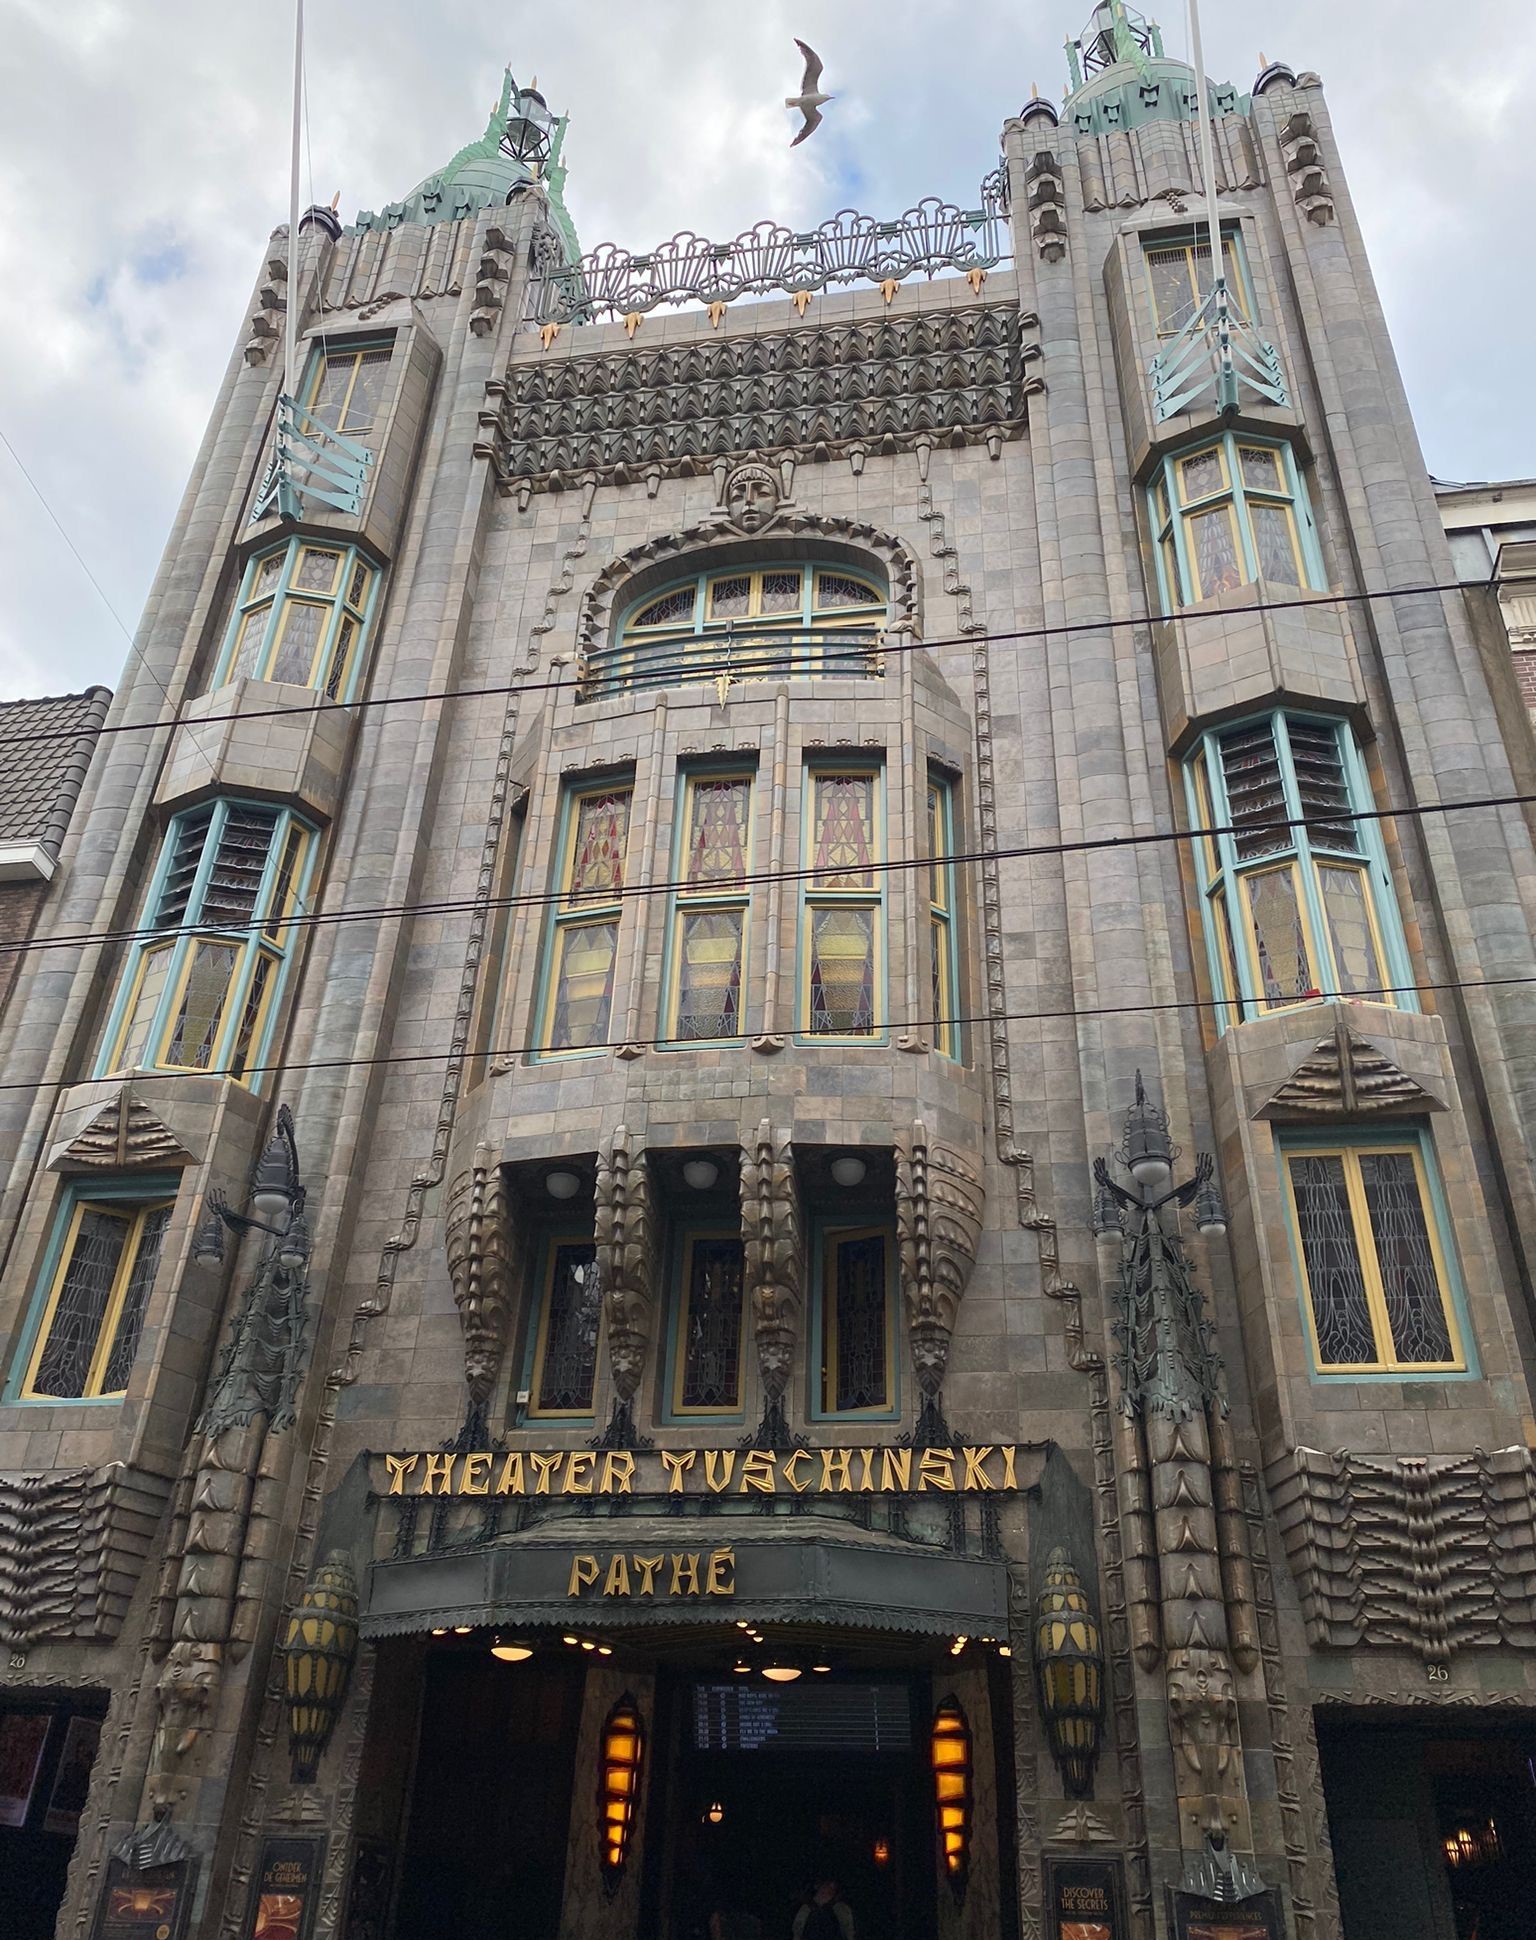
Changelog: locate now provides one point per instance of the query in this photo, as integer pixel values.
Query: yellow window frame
(1252, 498)
(580, 909)
(136, 1219)
(1288, 867)
(677, 1409)
(941, 911)
(328, 360)
(555, 1246)
(1386, 1362)
(705, 898)
(832, 1238)
(1189, 251)
(873, 898)
(1344, 866)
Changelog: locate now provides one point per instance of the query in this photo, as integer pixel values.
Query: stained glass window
(707, 1353)
(1227, 514)
(565, 1359)
(1372, 1262)
(301, 616)
(199, 996)
(857, 1360)
(94, 1305)
(576, 1009)
(709, 908)
(346, 387)
(844, 904)
(1298, 897)
(786, 621)
(1179, 275)
(941, 917)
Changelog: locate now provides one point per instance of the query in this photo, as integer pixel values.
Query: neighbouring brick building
(739, 1184)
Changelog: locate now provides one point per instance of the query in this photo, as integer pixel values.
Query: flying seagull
(810, 98)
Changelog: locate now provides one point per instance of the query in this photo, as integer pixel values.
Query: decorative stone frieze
(939, 1203)
(626, 1263)
(269, 319)
(124, 1136)
(1304, 166)
(72, 1544)
(1346, 1077)
(773, 1229)
(479, 1241)
(1047, 206)
(953, 375)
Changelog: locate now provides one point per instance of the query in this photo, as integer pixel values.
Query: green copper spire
(1113, 35)
(1122, 77)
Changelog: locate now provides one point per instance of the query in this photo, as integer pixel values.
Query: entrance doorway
(47, 1749)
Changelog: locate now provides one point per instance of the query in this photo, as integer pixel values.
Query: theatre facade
(783, 1130)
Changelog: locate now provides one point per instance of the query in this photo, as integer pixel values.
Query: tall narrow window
(565, 1346)
(584, 935)
(842, 952)
(201, 995)
(1230, 512)
(345, 387)
(1179, 277)
(1293, 913)
(709, 1335)
(1373, 1266)
(302, 616)
(95, 1291)
(944, 957)
(706, 952)
(858, 1366)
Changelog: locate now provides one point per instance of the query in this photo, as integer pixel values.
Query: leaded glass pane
(302, 624)
(709, 973)
(287, 869)
(730, 598)
(1250, 766)
(944, 1023)
(597, 848)
(1320, 779)
(782, 592)
(842, 972)
(330, 390)
(568, 1363)
(1261, 468)
(1346, 904)
(859, 1312)
(189, 832)
(1213, 545)
(1171, 575)
(368, 391)
(1279, 940)
(1225, 943)
(195, 1026)
(146, 1000)
(717, 831)
(938, 847)
(1410, 1285)
(253, 630)
(843, 831)
(357, 592)
(229, 896)
(1331, 1252)
(709, 1353)
(269, 571)
(251, 1014)
(839, 590)
(1274, 541)
(89, 1277)
(672, 609)
(317, 570)
(1173, 298)
(585, 955)
(130, 1321)
(341, 656)
(1201, 475)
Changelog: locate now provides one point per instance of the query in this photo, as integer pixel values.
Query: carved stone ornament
(626, 1260)
(72, 1543)
(939, 1204)
(751, 497)
(123, 1136)
(775, 1270)
(1208, 1774)
(1344, 1077)
(479, 1242)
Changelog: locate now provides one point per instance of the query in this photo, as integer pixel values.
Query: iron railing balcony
(733, 654)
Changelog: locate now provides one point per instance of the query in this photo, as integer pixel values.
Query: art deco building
(788, 1134)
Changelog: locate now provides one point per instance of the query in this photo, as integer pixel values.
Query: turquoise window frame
(527, 1414)
(680, 901)
(278, 595)
(565, 913)
(1231, 232)
(141, 1190)
(679, 1239)
(1409, 1137)
(1247, 1000)
(824, 1228)
(811, 898)
(251, 939)
(1174, 600)
(945, 786)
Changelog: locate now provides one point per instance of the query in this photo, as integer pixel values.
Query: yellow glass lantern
(623, 1750)
(1069, 1670)
(318, 1649)
(950, 1756)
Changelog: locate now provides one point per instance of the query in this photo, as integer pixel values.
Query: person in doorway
(729, 1922)
(826, 1915)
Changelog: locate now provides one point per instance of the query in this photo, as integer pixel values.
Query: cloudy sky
(143, 151)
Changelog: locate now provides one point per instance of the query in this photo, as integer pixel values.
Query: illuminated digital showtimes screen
(802, 1717)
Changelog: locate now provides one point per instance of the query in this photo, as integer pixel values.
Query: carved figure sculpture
(939, 1203)
(751, 498)
(775, 1270)
(1202, 1718)
(626, 1262)
(480, 1242)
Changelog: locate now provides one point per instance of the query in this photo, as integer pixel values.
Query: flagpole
(291, 334)
(1207, 145)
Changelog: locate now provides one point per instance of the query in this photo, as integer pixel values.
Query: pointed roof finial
(1034, 90)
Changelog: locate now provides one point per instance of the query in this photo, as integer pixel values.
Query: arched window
(779, 620)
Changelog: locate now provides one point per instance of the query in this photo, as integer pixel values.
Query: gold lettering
(719, 1464)
(583, 1575)
(648, 1566)
(896, 1469)
(476, 1476)
(545, 1468)
(685, 1565)
(976, 1477)
(677, 1466)
(399, 1467)
(758, 1471)
(618, 1472)
(510, 1480)
(838, 1458)
(866, 1466)
(721, 1579)
(616, 1582)
(578, 1479)
(439, 1468)
(1010, 1480)
(936, 1468)
(790, 1475)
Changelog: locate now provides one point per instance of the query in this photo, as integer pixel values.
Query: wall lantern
(714, 1812)
(510, 1651)
(780, 1672)
(561, 1184)
(950, 1753)
(1069, 1670)
(318, 1649)
(848, 1171)
(700, 1174)
(618, 1788)
(882, 1852)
